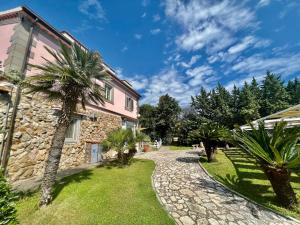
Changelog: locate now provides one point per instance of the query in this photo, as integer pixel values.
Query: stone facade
(34, 130)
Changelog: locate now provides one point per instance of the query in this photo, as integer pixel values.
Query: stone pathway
(193, 198)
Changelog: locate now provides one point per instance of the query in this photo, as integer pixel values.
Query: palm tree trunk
(280, 181)
(210, 152)
(52, 163)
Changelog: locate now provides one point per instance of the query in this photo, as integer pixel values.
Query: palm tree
(122, 140)
(210, 134)
(68, 79)
(276, 151)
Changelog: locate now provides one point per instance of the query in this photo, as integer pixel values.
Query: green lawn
(106, 195)
(176, 148)
(238, 171)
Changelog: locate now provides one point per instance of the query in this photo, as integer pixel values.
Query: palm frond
(275, 147)
(72, 73)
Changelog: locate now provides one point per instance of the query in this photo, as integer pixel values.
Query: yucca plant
(210, 134)
(123, 142)
(68, 79)
(276, 152)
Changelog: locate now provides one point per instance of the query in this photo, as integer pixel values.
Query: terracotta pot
(147, 148)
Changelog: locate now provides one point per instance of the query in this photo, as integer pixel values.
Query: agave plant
(210, 134)
(277, 153)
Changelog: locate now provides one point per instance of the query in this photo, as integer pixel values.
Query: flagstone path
(193, 198)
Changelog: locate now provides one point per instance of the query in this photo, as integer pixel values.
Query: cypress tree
(293, 88)
(249, 104)
(274, 95)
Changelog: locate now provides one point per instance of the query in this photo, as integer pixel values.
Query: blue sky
(175, 47)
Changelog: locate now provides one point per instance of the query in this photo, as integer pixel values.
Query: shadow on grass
(247, 171)
(76, 178)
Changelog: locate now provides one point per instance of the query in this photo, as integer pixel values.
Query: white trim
(76, 133)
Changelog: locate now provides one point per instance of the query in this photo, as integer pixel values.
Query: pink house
(23, 37)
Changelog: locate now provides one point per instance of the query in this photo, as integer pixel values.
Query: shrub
(123, 142)
(7, 206)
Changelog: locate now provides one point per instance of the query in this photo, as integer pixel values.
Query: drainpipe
(17, 99)
(4, 132)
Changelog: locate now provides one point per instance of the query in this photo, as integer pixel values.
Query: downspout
(4, 131)
(10, 133)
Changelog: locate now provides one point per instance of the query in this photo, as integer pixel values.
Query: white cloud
(263, 3)
(144, 15)
(124, 49)
(156, 17)
(209, 24)
(192, 61)
(168, 81)
(138, 82)
(244, 44)
(93, 9)
(138, 36)
(199, 75)
(155, 31)
(258, 64)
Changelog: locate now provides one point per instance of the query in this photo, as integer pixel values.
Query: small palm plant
(123, 142)
(276, 152)
(210, 134)
(69, 79)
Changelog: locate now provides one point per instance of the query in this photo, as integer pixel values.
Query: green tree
(255, 89)
(277, 153)
(293, 88)
(249, 105)
(235, 106)
(167, 113)
(148, 119)
(188, 121)
(69, 80)
(210, 134)
(274, 95)
(202, 106)
(220, 103)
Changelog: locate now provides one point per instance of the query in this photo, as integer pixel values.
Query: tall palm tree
(68, 79)
(210, 134)
(276, 151)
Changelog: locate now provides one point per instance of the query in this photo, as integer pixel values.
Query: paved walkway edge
(156, 193)
(243, 196)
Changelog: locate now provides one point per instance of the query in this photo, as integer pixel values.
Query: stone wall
(34, 130)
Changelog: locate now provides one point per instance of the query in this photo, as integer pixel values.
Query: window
(73, 131)
(129, 103)
(108, 93)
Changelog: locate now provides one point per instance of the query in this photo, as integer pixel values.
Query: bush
(123, 142)
(7, 206)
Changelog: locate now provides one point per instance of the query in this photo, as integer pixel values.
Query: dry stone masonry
(193, 198)
(34, 130)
